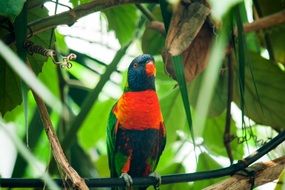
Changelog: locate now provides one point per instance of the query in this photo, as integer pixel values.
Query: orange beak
(150, 69)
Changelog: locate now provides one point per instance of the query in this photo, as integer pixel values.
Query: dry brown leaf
(190, 34)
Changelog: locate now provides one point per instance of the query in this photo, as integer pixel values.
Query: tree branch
(57, 151)
(265, 22)
(71, 16)
(264, 173)
(168, 179)
(262, 23)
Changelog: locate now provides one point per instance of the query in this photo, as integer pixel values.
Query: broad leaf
(10, 91)
(214, 139)
(153, 40)
(123, 20)
(264, 92)
(11, 8)
(92, 129)
(41, 39)
(10, 87)
(172, 106)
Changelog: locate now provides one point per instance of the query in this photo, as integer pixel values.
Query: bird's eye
(136, 65)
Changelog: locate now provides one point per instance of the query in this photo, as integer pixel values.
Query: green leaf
(172, 106)
(268, 106)
(96, 120)
(219, 100)
(276, 34)
(29, 78)
(81, 162)
(240, 57)
(102, 165)
(166, 13)
(210, 77)
(49, 77)
(60, 43)
(214, 137)
(10, 91)
(20, 35)
(11, 8)
(41, 39)
(205, 163)
(179, 72)
(123, 20)
(281, 181)
(152, 40)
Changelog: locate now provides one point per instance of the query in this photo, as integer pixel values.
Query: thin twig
(56, 148)
(57, 151)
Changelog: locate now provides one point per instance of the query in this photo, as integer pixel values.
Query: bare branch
(265, 22)
(56, 148)
(262, 23)
(264, 173)
(69, 17)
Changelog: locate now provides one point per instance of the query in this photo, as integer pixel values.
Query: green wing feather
(111, 140)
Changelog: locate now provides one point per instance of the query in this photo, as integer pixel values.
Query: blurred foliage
(263, 89)
(11, 8)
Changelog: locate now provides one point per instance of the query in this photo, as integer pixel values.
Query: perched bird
(136, 134)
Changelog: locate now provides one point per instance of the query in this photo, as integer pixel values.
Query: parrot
(136, 134)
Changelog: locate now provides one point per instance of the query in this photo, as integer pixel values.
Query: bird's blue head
(141, 73)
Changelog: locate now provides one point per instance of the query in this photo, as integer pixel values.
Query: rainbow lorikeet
(136, 134)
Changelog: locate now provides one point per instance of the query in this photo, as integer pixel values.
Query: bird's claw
(128, 179)
(158, 179)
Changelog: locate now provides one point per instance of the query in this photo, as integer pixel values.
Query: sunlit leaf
(123, 20)
(94, 126)
(60, 43)
(280, 184)
(102, 166)
(219, 99)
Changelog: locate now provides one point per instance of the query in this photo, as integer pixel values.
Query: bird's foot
(128, 180)
(158, 179)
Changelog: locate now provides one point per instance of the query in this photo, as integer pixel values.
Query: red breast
(139, 110)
